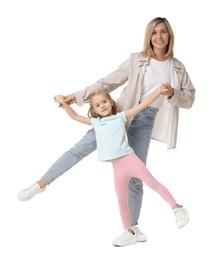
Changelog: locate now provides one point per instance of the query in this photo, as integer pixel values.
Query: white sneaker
(127, 238)
(140, 237)
(182, 217)
(30, 192)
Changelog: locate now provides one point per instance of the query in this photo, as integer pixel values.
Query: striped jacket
(132, 71)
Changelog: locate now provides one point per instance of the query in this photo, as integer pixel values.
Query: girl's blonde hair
(148, 47)
(115, 106)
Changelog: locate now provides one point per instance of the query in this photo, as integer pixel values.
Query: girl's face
(160, 37)
(102, 105)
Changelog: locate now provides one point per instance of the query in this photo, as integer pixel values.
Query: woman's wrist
(170, 96)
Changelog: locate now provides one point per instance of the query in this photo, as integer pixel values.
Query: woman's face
(160, 37)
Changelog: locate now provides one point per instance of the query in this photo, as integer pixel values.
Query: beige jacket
(132, 70)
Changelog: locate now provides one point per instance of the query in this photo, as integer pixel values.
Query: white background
(50, 47)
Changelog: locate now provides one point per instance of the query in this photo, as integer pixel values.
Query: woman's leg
(139, 136)
(80, 150)
(83, 148)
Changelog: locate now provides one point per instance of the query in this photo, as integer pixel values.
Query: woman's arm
(71, 112)
(184, 94)
(135, 110)
(109, 83)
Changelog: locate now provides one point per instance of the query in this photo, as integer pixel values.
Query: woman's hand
(166, 90)
(70, 99)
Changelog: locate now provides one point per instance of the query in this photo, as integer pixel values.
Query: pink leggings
(131, 166)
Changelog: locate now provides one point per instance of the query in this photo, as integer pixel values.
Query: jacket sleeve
(184, 94)
(109, 83)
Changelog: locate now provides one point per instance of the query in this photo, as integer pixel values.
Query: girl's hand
(59, 99)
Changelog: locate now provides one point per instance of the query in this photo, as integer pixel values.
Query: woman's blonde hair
(148, 47)
(115, 106)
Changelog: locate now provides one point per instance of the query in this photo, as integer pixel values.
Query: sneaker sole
(125, 245)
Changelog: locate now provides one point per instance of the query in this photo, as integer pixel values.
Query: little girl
(109, 124)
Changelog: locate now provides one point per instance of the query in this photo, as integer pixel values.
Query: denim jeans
(139, 136)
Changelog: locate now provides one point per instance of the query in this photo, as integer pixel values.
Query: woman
(144, 72)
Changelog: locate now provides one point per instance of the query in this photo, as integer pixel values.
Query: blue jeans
(139, 136)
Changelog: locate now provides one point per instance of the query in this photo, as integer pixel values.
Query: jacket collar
(144, 61)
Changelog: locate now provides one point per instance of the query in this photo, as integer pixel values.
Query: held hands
(59, 99)
(166, 90)
(69, 99)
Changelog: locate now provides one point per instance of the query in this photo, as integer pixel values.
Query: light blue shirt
(111, 136)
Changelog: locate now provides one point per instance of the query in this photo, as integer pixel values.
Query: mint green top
(111, 136)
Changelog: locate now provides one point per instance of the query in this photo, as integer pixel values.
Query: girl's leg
(139, 170)
(131, 166)
(121, 182)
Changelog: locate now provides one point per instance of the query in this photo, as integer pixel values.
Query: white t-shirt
(157, 73)
(111, 136)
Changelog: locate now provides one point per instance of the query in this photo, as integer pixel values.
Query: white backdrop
(49, 47)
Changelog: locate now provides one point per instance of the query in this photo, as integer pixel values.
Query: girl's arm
(71, 112)
(135, 110)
